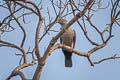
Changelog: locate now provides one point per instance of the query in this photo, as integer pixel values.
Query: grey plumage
(68, 38)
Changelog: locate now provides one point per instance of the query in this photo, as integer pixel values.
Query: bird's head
(61, 21)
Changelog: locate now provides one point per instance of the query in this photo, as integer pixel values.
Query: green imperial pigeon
(68, 38)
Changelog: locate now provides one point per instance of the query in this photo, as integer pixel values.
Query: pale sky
(54, 68)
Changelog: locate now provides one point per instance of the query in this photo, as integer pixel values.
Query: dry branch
(84, 54)
(17, 71)
(53, 41)
(62, 7)
(21, 27)
(108, 58)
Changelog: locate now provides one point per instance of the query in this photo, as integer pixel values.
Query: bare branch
(37, 38)
(108, 58)
(21, 74)
(53, 7)
(68, 48)
(96, 48)
(24, 33)
(17, 71)
(86, 35)
(62, 31)
(83, 11)
(13, 46)
(53, 41)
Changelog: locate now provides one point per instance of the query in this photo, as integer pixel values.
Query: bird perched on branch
(68, 38)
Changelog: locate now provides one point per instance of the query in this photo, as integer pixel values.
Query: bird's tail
(68, 62)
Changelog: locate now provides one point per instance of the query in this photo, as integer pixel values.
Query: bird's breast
(67, 38)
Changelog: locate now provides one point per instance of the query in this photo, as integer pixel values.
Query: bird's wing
(74, 38)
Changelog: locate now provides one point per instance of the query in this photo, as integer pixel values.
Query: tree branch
(17, 71)
(53, 41)
(21, 74)
(68, 48)
(21, 27)
(12, 46)
(108, 58)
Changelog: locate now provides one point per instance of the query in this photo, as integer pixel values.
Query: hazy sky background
(54, 68)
